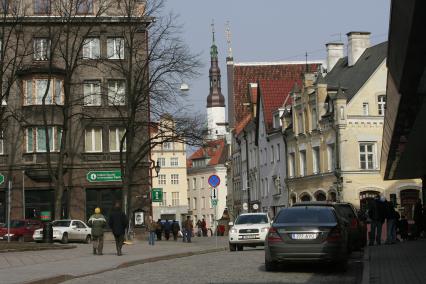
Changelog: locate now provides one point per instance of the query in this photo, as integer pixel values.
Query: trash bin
(47, 232)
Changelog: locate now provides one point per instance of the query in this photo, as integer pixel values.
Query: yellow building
(334, 130)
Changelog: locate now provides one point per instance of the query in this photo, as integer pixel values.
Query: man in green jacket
(97, 222)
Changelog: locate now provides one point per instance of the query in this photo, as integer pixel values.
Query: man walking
(152, 226)
(391, 218)
(188, 226)
(175, 229)
(376, 213)
(167, 228)
(97, 222)
(118, 223)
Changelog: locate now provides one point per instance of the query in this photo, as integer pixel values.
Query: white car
(250, 229)
(67, 230)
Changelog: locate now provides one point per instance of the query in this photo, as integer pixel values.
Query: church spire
(213, 49)
(215, 97)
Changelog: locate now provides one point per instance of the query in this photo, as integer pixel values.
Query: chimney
(335, 51)
(358, 42)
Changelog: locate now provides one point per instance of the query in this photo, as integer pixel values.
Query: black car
(357, 227)
(307, 234)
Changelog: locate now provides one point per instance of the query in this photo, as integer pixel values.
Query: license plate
(303, 236)
(245, 237)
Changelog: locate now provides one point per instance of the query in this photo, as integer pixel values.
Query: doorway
(102, 198)
(409, 198)
(2, 207)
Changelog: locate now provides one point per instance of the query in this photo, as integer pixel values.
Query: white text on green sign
(103, 176)
(157, 195)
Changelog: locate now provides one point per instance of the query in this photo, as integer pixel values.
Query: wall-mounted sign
(104, 176)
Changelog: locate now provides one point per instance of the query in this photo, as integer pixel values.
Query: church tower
(216, 122)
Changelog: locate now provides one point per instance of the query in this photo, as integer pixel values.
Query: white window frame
(31, 89)
(93, 137)
(365, 108)
(91, 48)
(116, 96)
(174, 178)
(94, 96)
(292, 164)
(114, 132)
(41, 48)
(331, 157)
(316, 162)
(194, 199)
(116, 51)
(162, 179)
(302, 158)
(161, 161)
(194, 183)
(363, 152)
(174, 162)
(381, 104)
(175, 198)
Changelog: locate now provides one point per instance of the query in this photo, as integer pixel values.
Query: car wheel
(88, 239)
(240, 247)
(232, 247)
(64, 239)
(21, 239)
(271, 265)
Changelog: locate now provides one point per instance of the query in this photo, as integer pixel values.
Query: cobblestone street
(226, 267)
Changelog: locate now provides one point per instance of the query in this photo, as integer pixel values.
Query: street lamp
(157, 168)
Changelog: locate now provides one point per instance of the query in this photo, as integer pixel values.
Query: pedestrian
(167, 229)
(152, 226)
(159, 230)
(175, 229)
(98, 223)
(376, 213)
(418, 218)
(391, 218)
(204, 227)
(199, 228)
(118, 223)
(403, 228)
(188, 226)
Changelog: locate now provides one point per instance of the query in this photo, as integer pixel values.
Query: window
(266, 155)
(167, 146)
(174, 162)
(115, 48)
(272, 154)
(116, 92)
(316, 159)
(342, 112)
(203, 202)
(278, 152)
(194, 207)
(161, 162)
(1, 144)
(300, 123)
(42, 6)
(194, 183)
(84, 7)
(116, 135)
(93, 140)
(314, 119)
(381, 101)
(175, 178)
(365, 109)
(366, 156)
(162, 179)
(41, 49)
(277, 120)
(91, 48)
(266, 187)
(292, 165)
(37, 89)
(36, 139)
(164, 202)
(202, 182)
(331, 157)
(302, 155)
(189, 203)
(92, 93)
(175, 198)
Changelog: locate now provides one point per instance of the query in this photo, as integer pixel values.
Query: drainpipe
(247, 169)
(286, 168)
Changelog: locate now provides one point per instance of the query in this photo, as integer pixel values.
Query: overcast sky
(272, 30)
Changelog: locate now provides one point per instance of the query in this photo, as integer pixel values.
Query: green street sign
(103, 176)
(214, 202)
(157, 195)
(1, 179)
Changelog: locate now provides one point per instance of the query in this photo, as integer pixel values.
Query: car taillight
(354, 223)
(273, 236)
(335, 235)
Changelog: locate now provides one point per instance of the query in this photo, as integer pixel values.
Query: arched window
(320, 196)
(305, 197)
(332, 196)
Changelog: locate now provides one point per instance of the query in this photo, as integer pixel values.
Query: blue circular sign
(214, 180)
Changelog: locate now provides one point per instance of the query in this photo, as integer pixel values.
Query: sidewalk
(400, 263)
(33, 266)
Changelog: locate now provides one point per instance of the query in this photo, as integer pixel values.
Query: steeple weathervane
(213, 49)
(228, 39)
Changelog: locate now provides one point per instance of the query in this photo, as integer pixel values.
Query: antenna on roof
(339, 35)
(228, 38)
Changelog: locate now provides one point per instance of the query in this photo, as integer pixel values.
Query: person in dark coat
(118, 223)
(403, 228)
(418, 218)
(204, 227)
(175, 229)
(167, 229)
(391, 218)
(159, 230)
(376, 212)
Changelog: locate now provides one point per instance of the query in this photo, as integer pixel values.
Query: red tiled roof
(245, 74)
(215, 150)
(240, 126)
(274, 93)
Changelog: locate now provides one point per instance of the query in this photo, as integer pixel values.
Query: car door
(82, 231)
(73, 232)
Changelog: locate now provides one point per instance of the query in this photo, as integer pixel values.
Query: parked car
(250, 229)
(357, 227)
(20, 230)
(67, 230)
(308, 233)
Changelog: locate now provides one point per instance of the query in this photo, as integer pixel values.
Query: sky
(272, 30)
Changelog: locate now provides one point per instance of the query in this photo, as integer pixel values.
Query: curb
(366, 266)
(62, 278)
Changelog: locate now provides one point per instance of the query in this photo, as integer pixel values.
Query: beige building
(171, 157)
(334, 130)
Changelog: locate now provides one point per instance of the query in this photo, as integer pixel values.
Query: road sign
(214, 193)
(214, 202)
(103, 176)
(214, 180)
(157, 195)
(1, 178)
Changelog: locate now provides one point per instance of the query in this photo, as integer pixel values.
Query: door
(409, 198)
(82, 231)
(102, 198)
(74, 231)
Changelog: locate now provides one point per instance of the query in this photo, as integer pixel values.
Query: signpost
(1, 178)
(103, 176)
(214, 180)
(157, 195)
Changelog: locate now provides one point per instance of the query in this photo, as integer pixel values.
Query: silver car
(308, 233)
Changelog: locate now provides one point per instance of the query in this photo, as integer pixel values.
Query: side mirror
(231, 223)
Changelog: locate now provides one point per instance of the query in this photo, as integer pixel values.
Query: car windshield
(251, 219)
(307, 214)
(17, 224)
(61, 223)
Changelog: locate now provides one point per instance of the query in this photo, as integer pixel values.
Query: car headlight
(265, 230)
(233, 231)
